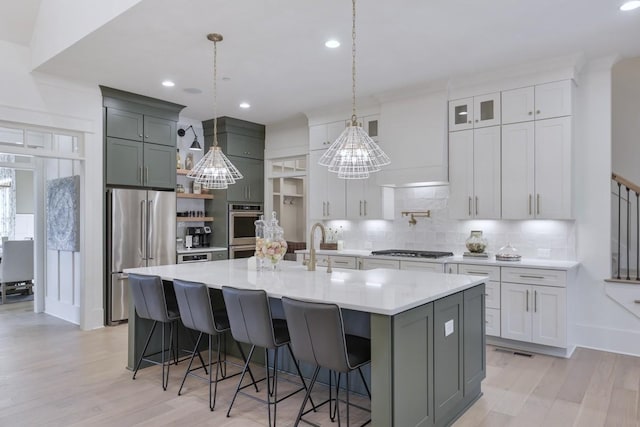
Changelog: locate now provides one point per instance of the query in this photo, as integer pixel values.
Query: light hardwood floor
(53, 374)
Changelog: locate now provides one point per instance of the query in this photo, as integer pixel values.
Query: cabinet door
(554, 99)
(242, 145)
(486, 172)
(549, 316)
(486, 110)
(553, 168)
(461, 114)
(475, 356)
(493, 295)
(125, 162)
(518, 160)
(517, 105)
(492, 322)
(251, 187)
(355, 197)
(124, 124)
(336, 196)
(160, 131)
(159, 166)
(371, 125)
(317, 186)
(448, 354)
(318, 137)
(516, 303)
(461, 174)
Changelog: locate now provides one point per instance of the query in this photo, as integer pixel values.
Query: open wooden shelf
(182, 171)
(194, 219)
(194, 196)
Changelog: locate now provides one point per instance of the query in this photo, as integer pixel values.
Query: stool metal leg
(304, 384)
(314, 377)
(244, 371)
(191, 362)
(144, 350)
(244, 358)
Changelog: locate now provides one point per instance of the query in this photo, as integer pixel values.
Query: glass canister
(475, 242)
(260, 226)
(274, 246)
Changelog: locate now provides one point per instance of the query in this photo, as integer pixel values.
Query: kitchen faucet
(311, 266)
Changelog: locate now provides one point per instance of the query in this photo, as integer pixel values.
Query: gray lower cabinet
(135, 163)
(251, 187)
(475, 354)
(448, 356)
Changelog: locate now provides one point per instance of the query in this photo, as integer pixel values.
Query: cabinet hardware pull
(341, 262)
(365, 208)
(141, 178)
(142, 228)
(360, 207)
(530, 112)
(469, 205)
(530, 204)
(146, 136)
(328, 209)
(146, 171)
(476, 205)
(524, 276)
(538, 204)
(527, 299)
(535, 301)
(249, 192)
(637, 301)
(537, 111)
(476, 120)
(140, 135)
(469, 121)
(486, 321)
(481, 273)
(324, 209)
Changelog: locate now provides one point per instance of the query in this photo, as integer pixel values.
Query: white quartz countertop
(459, 259)
(182, 250)
(381, 291)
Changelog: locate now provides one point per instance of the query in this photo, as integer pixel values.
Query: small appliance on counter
(200, 237)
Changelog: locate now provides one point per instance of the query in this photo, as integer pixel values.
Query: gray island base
(427, 329)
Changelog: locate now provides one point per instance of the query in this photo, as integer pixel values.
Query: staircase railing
(628, 187)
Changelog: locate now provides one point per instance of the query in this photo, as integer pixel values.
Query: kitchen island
(426, 329)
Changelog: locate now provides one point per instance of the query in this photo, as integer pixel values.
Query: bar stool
(150, 302)
(251, 323)
(194, 303)
(318, 338)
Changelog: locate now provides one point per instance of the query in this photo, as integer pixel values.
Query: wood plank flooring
(53, 374)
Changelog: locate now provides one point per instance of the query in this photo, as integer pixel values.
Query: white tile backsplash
(441, 233)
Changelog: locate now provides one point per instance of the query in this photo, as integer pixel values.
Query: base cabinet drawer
(480, 270)
(370, 264)
(534, 276)
(337, 261)
(492, 322)
(422, 266)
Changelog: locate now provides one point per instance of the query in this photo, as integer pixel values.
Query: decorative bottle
(178, 159)
(260, 229)
(275, 246)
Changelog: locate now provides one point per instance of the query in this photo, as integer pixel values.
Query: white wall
(287, 138)
(24, 192)
(626, 119)
(35, 99)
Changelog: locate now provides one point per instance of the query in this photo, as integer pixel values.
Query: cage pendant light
(354, 155)
(215, 170)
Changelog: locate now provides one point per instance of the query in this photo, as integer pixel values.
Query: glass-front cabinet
(475, 112)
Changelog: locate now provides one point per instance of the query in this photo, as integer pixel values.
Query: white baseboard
(531, 347)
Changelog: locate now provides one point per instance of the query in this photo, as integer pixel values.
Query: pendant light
(215, 170)
(354, 155)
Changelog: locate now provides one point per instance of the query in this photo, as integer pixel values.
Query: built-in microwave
(242, 229)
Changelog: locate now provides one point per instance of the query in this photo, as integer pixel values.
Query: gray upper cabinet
(159, 131)
(242, 145)
(140, 140)
(124, 124)
(251, 187)
(124, 162)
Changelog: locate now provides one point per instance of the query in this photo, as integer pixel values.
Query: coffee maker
(200, 236)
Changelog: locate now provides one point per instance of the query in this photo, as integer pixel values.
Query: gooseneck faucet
(311, 266)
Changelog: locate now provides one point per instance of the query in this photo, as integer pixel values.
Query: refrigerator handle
(143, 229)
(150, 230)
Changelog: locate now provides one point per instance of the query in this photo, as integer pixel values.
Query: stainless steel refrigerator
(141, 232)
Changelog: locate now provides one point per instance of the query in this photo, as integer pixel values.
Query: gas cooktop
(412, 254)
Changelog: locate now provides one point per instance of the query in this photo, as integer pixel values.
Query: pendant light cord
(215, 93)
(354, 119)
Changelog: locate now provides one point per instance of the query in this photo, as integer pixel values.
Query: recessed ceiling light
(630, 5)
(245, 105)
(332, 44)
(168, 83)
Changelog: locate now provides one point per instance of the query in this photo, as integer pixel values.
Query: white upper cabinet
(323, 135)
(476, 112)
(538, 102)
(474, 173)
(367, 200)
(536, 169)
(326, 191)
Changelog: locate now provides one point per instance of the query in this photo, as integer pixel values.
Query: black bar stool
(252, 323)
(196, 310)
(150, 302)
(318, 338)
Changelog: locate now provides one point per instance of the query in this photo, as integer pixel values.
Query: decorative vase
(475, 242)
(270, 249)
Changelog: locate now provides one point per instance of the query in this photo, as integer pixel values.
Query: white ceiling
(275, 57)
